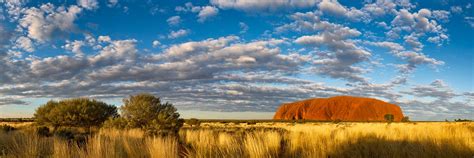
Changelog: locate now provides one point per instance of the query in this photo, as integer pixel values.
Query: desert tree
(388, 117)
(77, 112)
(149, 113)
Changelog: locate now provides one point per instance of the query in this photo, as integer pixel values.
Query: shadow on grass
(372, 146)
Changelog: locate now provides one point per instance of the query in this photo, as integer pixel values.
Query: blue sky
(236, 58)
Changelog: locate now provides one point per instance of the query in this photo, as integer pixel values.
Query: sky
(239, 59)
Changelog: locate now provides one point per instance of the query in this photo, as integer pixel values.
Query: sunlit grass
(260, 140)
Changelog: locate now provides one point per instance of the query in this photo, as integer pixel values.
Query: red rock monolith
(343, 108)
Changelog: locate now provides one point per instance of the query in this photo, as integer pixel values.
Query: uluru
(344, 108)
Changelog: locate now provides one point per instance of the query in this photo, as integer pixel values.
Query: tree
(389, 117)
(78, 112)
(147, 112)
(406, 119)
(193, 122)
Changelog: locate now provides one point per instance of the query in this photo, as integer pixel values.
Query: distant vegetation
(462, 120)
(389, 117)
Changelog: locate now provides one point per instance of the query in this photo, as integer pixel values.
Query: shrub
(147, 112)
(65, 133)
(117, 123)
(193, 122)
(43, 131)
(7, 128)
(406, 119)
(461, 120)
(251, 122)
(389, 117)
(79, 112)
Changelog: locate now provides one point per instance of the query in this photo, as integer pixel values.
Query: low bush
(7, 128)
(43, 131)
(193, 122)
(117, 123)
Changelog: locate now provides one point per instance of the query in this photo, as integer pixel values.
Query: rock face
(344, 108)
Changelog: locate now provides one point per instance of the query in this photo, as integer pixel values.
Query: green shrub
(406, 119)
(388, 117)
(147, 112)
(117, 123)
(43, 131)
(79, 112)
(251, 122)
(193, 122)
(65, 133)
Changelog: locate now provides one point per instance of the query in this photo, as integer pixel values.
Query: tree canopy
(80, 112)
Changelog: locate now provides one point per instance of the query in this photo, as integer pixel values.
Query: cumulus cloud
(75, 47)
(456, 9)
(191, 68)
(419, 24)
(207, 12)
(343, 55)
(156, 43)
(88, 4)
(441, 15)
(264, 5)
(25, 44)
(174, 20)
(179, 33)
(48, 21)
(414, 59)
(335, 8)
(14, 8)
(203, 12)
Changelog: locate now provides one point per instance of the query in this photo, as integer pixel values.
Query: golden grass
(287, 140)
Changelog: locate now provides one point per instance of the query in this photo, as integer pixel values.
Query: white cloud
(179, 33)
(243, 27)
(456, 9)
(419, 24)
(174, 20)
(203, 12)
(333, 7)
(414, 59)
(14, 8)
(207, 12)
(88, 4)
(343, 54)
(25, 43)
(112, 3)
(470, 21)
(104, 39)
(45, 23)
(75, 47)
(441, 15)
(264, 5)
(156, 44)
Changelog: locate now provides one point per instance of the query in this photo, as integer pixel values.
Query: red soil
(344, 108)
